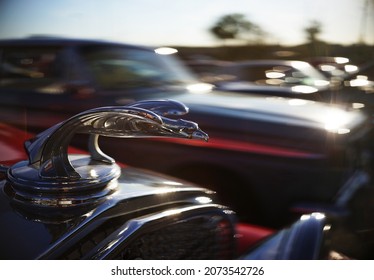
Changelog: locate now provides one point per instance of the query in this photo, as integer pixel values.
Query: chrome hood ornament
(51, 178)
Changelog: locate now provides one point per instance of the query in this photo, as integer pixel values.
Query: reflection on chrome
(171, 183)
(326, 227)
(317, 216)
(203, 199)
(166, 51)
(123, 231)
(172, 212)
(111, 244)
(86, 215)
(93, 173)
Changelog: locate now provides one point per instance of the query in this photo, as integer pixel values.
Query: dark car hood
(277, 110)
(41, 234)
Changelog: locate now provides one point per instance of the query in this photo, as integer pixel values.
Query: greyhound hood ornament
(51, 178)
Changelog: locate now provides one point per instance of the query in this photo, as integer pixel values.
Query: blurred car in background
(269, 158)
(354, 83)
(222, 74)
(362, 79)
(208, 69)
(339, 82)
(274, 77)
(60, 77)
(300, 76)
(335, 68)
(357, 87)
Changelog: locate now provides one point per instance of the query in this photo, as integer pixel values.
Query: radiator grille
(208, 236)
(198, 238)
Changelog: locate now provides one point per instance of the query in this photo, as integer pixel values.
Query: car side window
(28, 67)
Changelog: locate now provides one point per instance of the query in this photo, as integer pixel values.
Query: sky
(184, 22)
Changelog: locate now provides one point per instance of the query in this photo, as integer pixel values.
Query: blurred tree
(316, 47)
(312, 31)
(237, 27)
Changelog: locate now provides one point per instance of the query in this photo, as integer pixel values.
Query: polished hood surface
(280, 110)
(45, 232)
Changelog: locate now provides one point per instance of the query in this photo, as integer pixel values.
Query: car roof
(63, 41)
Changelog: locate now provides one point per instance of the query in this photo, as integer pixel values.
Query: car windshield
(120, 67)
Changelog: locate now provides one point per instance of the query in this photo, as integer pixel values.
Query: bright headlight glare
(336, 121)
(165, 50)
(304, 89)
(200, 88)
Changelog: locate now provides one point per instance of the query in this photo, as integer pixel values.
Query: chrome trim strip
(358, 180)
